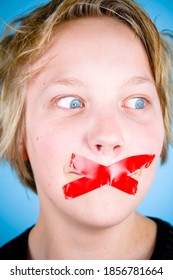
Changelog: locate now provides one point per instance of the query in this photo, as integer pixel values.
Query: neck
(64, 239)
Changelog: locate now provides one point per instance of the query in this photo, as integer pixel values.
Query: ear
(23, 150)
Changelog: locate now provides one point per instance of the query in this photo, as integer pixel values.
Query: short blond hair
(27, 38)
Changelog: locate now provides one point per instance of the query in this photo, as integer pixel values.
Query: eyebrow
(137, 80)
(72, 81)
(69, 82)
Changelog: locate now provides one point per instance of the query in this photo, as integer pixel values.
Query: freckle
(37, 138)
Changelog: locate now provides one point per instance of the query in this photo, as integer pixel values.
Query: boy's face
(94, 96)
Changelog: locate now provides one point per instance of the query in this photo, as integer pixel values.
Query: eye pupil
(140, 104)
(75, 103)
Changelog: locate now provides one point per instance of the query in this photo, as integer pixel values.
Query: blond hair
(27, 38)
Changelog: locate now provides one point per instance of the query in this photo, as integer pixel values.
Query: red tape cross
(97, 175)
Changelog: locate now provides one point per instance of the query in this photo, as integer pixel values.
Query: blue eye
(70, 103)
(136, 103)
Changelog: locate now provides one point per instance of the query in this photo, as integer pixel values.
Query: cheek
(59, 142)
(49, 149)
(51, 140)
(146, 137)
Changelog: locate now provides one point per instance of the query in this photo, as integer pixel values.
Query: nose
(105, 136)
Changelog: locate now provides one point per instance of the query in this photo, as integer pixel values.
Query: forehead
(100, 40)
(82, 30)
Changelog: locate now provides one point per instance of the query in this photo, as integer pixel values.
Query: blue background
(19, 207)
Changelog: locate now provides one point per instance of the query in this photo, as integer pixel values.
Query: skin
(100, 62)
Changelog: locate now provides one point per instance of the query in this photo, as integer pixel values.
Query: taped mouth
(84, 175)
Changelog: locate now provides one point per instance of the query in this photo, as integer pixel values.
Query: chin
(102, 208)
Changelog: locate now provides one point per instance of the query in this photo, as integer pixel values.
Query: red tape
(117, 175)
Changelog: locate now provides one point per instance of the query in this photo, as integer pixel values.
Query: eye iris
(75, 103)
(140, 104)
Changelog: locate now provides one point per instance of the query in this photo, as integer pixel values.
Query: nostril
(115, 147)
(99, 147)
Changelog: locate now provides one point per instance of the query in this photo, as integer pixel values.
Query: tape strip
(117, 175)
